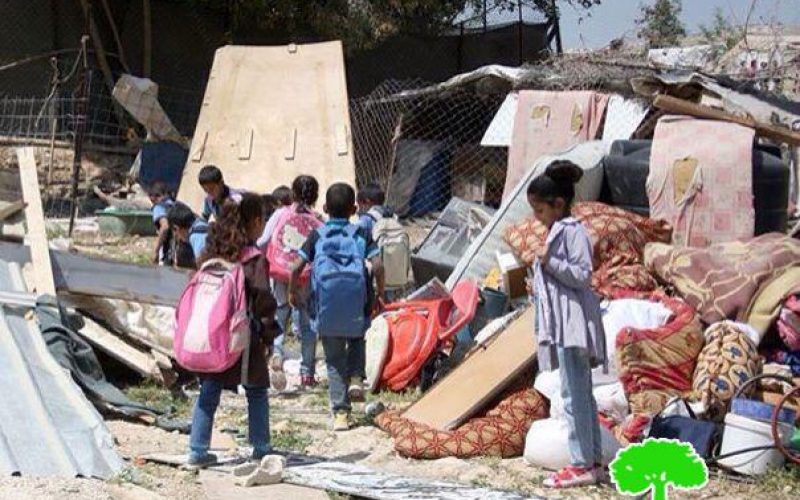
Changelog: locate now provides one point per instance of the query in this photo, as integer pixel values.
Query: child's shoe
(356, 390)
(341, 421)
(196, 462)
(307, 381)
(572, 477)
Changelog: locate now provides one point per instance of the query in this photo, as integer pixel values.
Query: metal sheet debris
(47, 426)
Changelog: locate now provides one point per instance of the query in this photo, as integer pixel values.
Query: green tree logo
(656, 465)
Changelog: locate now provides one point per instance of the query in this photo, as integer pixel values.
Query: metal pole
(81, 117)
(519, 32)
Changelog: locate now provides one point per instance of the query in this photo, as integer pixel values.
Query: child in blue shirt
(162, 201)
(344, 350)
(217, 192)
(190, 232)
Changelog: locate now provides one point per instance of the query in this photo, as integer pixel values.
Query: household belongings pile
(695, 308)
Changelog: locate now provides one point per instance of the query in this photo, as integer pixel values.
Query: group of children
(330, 281)
(324, 274)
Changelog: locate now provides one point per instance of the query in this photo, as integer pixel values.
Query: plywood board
(34, 216)
(488, 370)
(141, 362)
(270, 114)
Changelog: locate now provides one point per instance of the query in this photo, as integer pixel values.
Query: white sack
(546, 444)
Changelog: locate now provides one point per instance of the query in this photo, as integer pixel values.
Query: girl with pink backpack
(284, 234)
(229, 344)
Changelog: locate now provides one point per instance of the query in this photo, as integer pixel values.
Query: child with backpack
(284, 234)
(338, 254)
(568, 326)
(389, 234)
(217, 192)
(283, 195)
(225, 326)
(189, 234)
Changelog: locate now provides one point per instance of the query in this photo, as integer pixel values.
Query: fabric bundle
(618, 239)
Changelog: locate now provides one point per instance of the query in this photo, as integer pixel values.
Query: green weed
(160, 398)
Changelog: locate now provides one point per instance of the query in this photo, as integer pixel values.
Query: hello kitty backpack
(212, 326)
(291, 231)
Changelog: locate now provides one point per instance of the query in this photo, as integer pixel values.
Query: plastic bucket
(495, 303)
(742, 433)
(759, 410)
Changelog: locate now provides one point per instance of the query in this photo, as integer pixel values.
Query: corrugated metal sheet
(481, 257)
(47, 426)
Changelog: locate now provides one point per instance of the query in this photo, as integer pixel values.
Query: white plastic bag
(547, 444)
(610, 398)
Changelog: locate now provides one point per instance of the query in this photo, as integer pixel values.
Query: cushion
(499, 433)
(728, 360)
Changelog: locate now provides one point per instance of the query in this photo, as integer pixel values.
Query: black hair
(270, 204)
(283, 195)
(558, 181)
(209, 175)
(339, 200)
(305, 190)
(372, 193)
(159, 189)
(180, 215)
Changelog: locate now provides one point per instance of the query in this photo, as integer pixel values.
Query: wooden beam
(8, 210)
(34, 215)
(80, 275)
(115, 32)
(684, 107)
(139, 361)
(147, 56)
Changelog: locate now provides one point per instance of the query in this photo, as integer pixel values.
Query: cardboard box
(514, 274)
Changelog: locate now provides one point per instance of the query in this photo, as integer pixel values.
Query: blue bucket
(495, 303)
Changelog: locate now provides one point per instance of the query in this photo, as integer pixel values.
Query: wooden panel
(34, 216)
(488, 370)
(141, 362)
(104, 278)
(295, 102)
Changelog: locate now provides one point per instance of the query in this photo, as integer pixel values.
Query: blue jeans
(580, 408)
(301, 326)
(345, 358)
(203, 419)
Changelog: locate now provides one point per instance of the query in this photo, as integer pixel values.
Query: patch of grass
(160, 398)
(397, 398)
(291, 439)
(778, 480)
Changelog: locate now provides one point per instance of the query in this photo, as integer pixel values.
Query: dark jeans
(206, 407)
(345, 358)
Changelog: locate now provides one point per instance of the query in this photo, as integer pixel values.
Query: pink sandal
(571, 477)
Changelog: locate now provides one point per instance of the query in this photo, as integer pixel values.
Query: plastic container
(759, 410)
(122, 222)
(495, 303)
(742, 433)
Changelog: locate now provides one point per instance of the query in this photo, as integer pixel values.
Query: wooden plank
(34, 215)
(488, 370)
(684, 107)
(359, 481)
(8, 210)
(141, 362)
(82, 275)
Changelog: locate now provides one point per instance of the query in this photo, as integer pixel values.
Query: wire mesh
(425, 149)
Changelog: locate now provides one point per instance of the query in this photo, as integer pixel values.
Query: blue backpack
(339, 283)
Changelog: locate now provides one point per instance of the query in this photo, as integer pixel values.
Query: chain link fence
(424, 148)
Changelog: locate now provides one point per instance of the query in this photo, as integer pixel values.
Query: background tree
(360, 23)
(722, 31)
(656, 465)
(661, 24)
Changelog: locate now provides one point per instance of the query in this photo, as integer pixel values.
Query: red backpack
(292, 230)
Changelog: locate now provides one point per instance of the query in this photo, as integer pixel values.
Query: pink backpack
(211, 323)
(291, 231)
